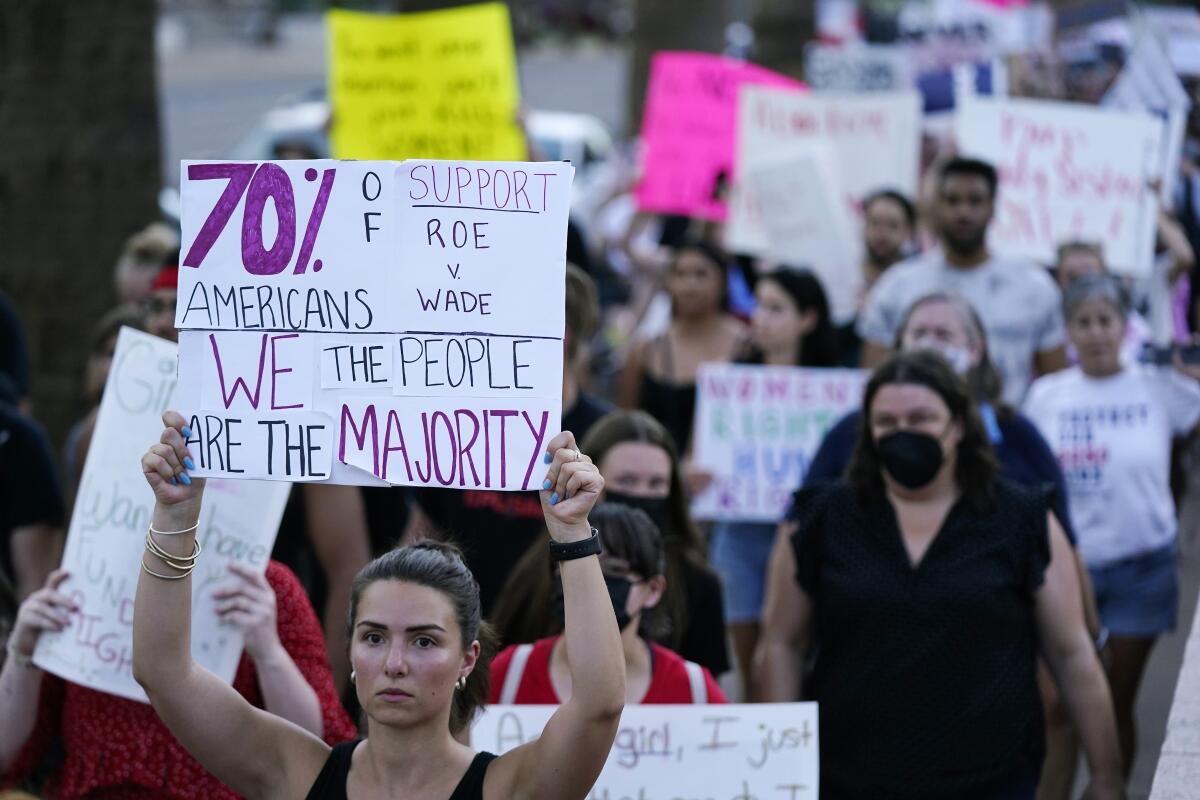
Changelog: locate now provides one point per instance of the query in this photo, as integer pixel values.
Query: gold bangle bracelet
(175, 562)
(149, 571)
(175, 533)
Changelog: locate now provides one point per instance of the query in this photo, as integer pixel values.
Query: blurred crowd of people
(969, 582)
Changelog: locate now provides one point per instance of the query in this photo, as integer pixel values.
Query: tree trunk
(781, 30)
(670, 25)
(79, 172)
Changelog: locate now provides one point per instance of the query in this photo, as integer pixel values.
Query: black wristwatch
(569, 551)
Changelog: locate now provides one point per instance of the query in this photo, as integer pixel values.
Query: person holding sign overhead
(927, 586)
(633, 566)
(419, 670)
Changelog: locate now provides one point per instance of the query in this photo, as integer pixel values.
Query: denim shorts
(1138, 596)
(739, 552)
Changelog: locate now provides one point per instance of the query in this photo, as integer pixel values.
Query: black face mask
(618, 593)
(655, 507)
(912, 459)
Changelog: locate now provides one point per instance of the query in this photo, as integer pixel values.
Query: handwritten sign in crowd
(875, 140)
(757, 429)
(373, 322)
(106, 538)
(1068, 171)
(764, 751)
(805, 224)
(688, 129)
(437, 84)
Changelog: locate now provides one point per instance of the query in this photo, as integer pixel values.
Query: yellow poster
(437, 84)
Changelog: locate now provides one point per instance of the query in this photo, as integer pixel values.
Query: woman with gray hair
(1111, 425)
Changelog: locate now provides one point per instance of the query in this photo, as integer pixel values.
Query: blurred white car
(581, 139)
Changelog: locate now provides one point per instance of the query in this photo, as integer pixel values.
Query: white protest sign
(1067, 171)
(373, 321)
(807, 225)
(761, 751)
(1148, 83)
(106, 539)
(876, 140)
(857, 68)
(758, 428)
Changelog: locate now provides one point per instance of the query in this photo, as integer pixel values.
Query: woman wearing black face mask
(633, 563)
(928, 586)
(640, 467)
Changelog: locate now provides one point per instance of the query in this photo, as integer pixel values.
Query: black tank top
(331, 783)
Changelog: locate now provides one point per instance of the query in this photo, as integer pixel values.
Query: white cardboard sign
(765, 751)
(807, 225)
(373, 322)
(875, 138)
(1068, 171)
(757, 430)
(106, 538)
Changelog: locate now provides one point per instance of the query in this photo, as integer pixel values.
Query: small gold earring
(461, 683)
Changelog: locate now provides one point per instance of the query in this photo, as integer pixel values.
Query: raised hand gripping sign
(373, 321)
(106, 537)
(760, 751)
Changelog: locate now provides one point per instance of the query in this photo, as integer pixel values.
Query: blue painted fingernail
(187, 462)
(174, 482)
(547, 458)
(185, 480)
(554, 499)
(546, 484)
(186, 431)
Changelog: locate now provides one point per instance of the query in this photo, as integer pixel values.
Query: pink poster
(688, 130)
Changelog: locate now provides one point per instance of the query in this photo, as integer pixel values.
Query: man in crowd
(1017, 300)
(889, 221)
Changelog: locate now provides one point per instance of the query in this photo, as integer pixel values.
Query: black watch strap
(568, 551)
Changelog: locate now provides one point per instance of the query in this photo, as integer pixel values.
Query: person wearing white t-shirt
(1111, 425)
(1017, 300)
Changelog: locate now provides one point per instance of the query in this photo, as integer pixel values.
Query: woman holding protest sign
(1112, 424)
(790, 327)
(419, 670)
(633, 564)
(118, 748)
(926, 586)
(641, 470)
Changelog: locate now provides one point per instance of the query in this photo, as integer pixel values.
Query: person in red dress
(118, 749)
(633, 563)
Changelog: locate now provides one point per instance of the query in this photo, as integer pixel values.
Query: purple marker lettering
(503, 415)
(484, 179)
(275, 370)
(464, 450)
(238, 176)
(412, 175)
(496, 201)
(314, 222)
(270, 181)
(539, 436)
(545, 186)
(487, 450)
(427, 474)
(227, 396)
(437, 461)
(462, 177)
(520, 178)
(370, 425)
(393, 423)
